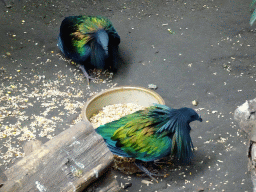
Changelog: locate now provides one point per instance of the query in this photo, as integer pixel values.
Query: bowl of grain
(114, 103)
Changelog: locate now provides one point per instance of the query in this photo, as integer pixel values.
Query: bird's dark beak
(200, 119)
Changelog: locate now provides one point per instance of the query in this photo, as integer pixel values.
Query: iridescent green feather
(85, 26)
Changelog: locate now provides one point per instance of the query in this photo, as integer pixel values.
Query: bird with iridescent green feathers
(90, 41)
(151, 134)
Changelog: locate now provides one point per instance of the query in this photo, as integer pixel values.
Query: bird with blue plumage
(90, 41)
(151, 134)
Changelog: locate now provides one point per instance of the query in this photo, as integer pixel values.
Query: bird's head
(103, 39)
(190, 114)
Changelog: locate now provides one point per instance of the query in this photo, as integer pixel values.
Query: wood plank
(107, 183)
(31, 146)
(69, 162)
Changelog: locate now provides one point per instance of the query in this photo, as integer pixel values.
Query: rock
(252, 163)
(127, 185)
(242, 112)
(245, 115)
(194, 102)
(152, 86)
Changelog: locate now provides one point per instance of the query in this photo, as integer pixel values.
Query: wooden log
(31, 146)
(107, 183)
(69, 162)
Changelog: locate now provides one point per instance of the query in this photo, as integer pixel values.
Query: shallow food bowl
(126, 94)
(120, 95)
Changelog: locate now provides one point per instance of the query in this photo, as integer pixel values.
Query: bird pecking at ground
(151, 134)
(90, 41)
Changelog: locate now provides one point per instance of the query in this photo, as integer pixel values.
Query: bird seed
(114, 112)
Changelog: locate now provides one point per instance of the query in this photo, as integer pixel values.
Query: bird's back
(77, 39)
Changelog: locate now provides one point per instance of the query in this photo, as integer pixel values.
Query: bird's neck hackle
(92, 28)
(175, 124)
(102, 38)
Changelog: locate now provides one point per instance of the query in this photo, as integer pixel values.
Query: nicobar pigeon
(151, 134)
(90, 41)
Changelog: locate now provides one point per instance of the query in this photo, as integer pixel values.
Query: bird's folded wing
(140, 140)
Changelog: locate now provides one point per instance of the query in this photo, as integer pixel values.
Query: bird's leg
(144, 169)
(87, 76)
(138, 163)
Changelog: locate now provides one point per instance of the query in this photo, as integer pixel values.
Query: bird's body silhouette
(91, 41)
(151, 134)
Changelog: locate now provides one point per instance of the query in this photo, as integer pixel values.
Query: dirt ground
(192, 50)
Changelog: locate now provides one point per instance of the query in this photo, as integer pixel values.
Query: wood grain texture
(69, 162)
(107, 183)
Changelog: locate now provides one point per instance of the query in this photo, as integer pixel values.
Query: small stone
(127, 185)
(245, 116)
(18, 71)
(200, 189)
(152, 86)
(8, 5)
(194, 102)
(146, 182)
(8, 53)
